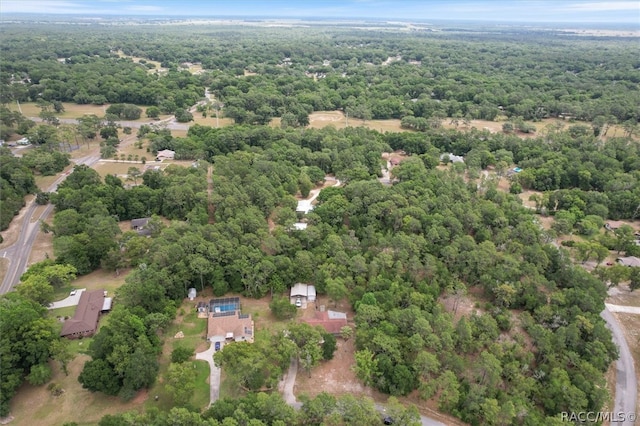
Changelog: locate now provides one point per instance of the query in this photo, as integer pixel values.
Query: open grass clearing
(119, 168)
(194, 330)
(71, 110)
(34, 405)
(96, 280)
(210, 119)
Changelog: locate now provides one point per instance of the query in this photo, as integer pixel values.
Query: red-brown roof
(85, 319)
(331, 325)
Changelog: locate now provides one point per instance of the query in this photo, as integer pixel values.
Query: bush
(181, 354)
(183, 116)
(282, 308)
(329, 346)
(40, 374)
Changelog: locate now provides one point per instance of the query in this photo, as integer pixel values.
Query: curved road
(626, 382)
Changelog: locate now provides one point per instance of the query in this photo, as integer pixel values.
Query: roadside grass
(4, 267)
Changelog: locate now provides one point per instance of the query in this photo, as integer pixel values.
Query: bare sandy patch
(42, 246)
(631, 327)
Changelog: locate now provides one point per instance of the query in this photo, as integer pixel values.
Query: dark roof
(139, 223)
(85, 319)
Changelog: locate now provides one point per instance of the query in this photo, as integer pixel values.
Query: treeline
(429, 74)
(262, 409)
(100, 80)
(17, 178)
(85, 225)
(602, 177)
(28, 337)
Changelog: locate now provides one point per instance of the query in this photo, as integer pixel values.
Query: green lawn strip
(200, 397)
(194, 333)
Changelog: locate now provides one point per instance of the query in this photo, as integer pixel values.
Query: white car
(298, 302)
(73, 292)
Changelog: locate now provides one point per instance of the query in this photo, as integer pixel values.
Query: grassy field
(97, 280)
(113, 168)
(34, 405)
(73, 110)
(210, 120)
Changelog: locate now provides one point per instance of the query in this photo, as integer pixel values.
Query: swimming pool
(225, 308)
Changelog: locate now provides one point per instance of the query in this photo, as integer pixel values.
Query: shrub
(181, 354)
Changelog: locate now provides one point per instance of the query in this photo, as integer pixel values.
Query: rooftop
(85, 319)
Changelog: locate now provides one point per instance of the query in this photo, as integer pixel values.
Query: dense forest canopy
(523, 73)
(535, 345)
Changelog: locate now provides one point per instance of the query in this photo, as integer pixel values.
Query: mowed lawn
(195, 334)
(72, 110)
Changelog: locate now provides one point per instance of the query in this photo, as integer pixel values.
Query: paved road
(214, 373)
(169, 122)
(19, 252)
(626, 386)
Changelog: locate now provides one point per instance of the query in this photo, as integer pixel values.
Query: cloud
(144, 8)
(603, 6)
(11, 6)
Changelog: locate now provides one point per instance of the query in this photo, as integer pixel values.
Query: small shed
(166, 154)
(305, 292)
(631, 261)
(452, 158)
(203, 309)
(140, 225)
(106, 305)
(304, 206)
(331, 321)
(192, 293)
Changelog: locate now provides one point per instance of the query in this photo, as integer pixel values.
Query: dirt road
(626, 386)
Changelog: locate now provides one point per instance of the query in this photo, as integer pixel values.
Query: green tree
(180, 382)
(181, 354)
(282, 308)
(39, 374)
(366, 367)
(98, 376)
(329, 345)
(336, 289)
(37, 289)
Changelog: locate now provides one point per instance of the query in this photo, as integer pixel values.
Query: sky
(578, 11)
